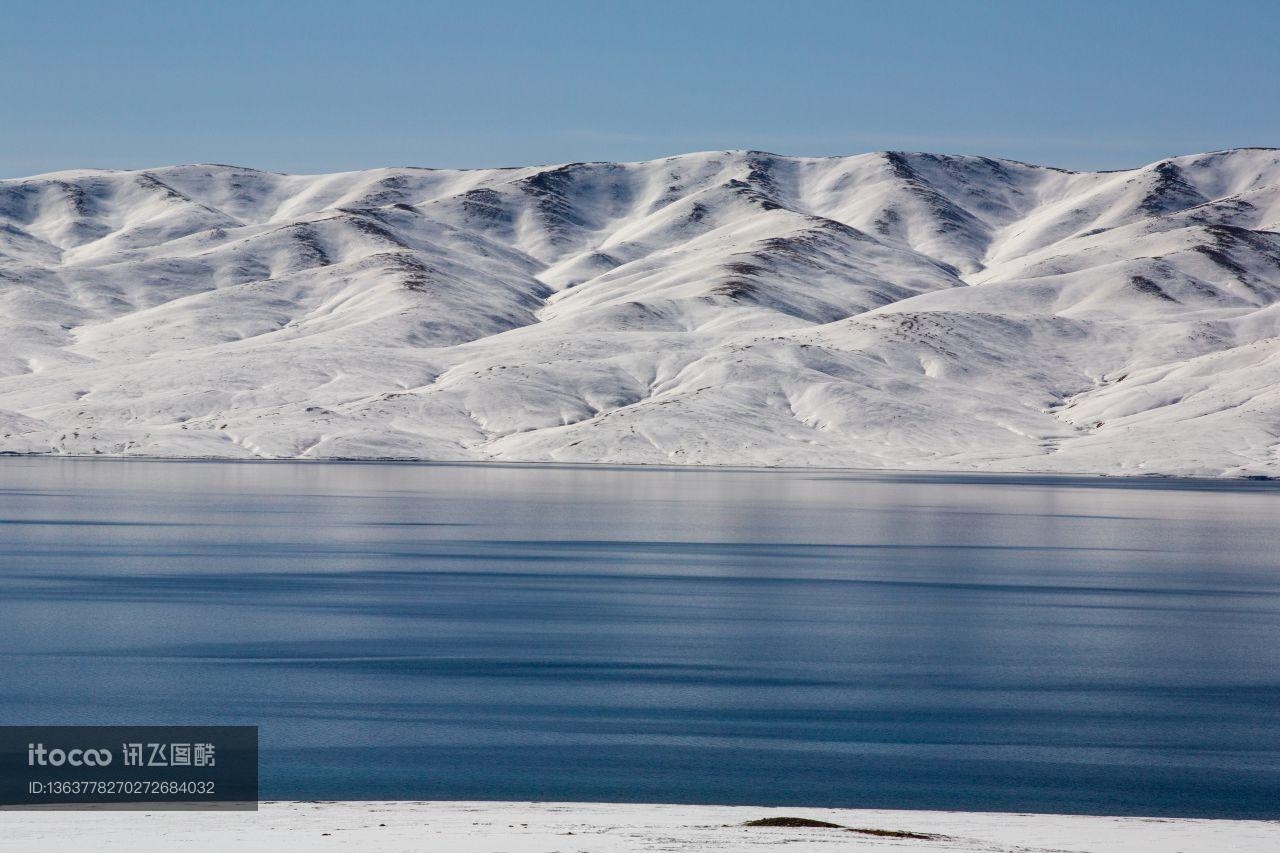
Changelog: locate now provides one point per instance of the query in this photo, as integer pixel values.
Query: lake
(409, 631)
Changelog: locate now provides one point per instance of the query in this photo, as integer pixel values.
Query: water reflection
(518, 632)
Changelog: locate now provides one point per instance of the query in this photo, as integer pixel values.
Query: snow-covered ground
(885, 310)
(600, 827)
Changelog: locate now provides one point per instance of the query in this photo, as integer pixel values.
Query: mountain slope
(886, 310)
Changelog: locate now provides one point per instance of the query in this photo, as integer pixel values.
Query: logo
(38, 756)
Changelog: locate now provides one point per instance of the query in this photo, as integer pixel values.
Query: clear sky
(312, 85)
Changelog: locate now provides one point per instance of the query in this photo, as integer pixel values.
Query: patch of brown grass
(810, 823)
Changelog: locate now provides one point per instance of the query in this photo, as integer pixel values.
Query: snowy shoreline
(1220, 480)
(282, 827)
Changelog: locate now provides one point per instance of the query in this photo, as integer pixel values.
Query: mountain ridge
(884, 310)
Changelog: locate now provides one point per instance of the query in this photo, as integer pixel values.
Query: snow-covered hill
(885, 310)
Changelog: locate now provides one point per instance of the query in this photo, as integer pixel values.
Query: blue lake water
(572, 633)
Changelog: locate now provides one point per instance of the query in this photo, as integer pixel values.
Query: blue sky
(320, 86)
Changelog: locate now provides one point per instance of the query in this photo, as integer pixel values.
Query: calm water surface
(505, 632)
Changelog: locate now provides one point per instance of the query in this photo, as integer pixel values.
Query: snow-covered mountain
(885, 310)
